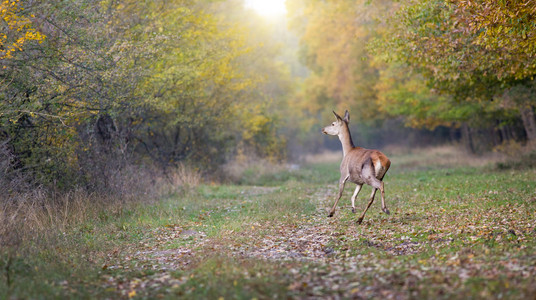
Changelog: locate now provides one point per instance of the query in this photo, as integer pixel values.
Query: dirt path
(149, 264)
(324, 256)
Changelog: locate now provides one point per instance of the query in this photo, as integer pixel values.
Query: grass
(459, 228)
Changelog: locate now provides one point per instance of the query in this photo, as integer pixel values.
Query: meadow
(460, 227)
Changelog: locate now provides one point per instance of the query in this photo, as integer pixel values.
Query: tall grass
(31, 221)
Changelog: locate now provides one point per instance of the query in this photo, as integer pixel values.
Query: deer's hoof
(385, 210)
(359, 221)
(331, 214)
(353, 210)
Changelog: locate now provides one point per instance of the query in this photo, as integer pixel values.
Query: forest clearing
(460, 227)
(175, 149)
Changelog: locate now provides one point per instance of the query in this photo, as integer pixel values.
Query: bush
(524, 161)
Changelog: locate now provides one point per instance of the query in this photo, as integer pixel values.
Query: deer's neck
(346, 140)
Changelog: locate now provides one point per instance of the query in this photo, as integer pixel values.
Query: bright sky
(267, 7)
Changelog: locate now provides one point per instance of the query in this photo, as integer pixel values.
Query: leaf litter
(406, 255)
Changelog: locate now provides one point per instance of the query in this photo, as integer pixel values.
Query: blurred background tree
(473, 57)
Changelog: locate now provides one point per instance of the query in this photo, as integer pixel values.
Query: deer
(359, 165)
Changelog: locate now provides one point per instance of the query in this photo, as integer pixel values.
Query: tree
(124, 82)
(334, 40)
(450, 45)
(334, 35)
(508, 29)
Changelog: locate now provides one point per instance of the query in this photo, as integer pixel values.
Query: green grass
(455, 232)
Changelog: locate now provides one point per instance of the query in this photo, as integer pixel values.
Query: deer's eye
(333, 124)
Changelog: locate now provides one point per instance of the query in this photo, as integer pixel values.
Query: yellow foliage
(254, 125)
(19, 31)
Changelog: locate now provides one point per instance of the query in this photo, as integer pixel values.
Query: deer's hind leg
(368, 205)
(354, 196)
(384, 206)
(369, 177)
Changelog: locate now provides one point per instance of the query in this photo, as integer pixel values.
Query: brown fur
(359, 165)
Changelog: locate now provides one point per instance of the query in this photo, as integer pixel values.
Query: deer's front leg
(342, 181)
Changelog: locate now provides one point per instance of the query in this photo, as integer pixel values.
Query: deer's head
(336, 127)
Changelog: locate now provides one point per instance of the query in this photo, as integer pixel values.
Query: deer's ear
(336, 115)
(346, 117)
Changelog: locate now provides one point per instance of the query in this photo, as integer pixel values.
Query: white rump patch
(378, 168)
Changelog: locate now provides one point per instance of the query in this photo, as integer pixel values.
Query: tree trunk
(495, 136)
(504, 133)
(527, 115)
(467, 140)
(454, 134)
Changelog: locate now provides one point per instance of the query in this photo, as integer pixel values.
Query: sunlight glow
(267, 7)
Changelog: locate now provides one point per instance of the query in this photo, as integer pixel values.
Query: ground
(456, 231)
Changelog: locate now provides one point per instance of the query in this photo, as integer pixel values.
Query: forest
(95, 90)
(125, 119)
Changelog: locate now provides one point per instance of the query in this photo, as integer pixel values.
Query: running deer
(359, 165)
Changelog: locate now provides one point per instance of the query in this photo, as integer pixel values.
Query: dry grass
(322, 157)
(445, 155)
(250, 168)
(515, 149)
(441, 156)
(37, 213)
(185, 176)
(45, 232)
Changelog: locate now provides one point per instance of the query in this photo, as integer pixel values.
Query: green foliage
(505, 29)
(442, 62)
(412, 59)
(124, 82)
(425, 36)
(55, 88)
